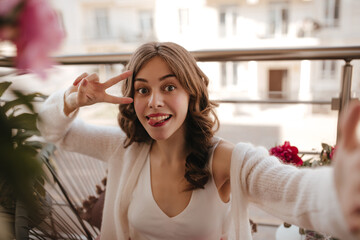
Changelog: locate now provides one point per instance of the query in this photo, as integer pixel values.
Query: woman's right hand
(88, 90)
(347, 166)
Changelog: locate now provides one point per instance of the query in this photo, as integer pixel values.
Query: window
(222, 23)
(278, 19)
(328, 69)
(332, 9)
(184, 21)
(223, 80)
(229, 74)
(277, 81)
(228, 21)
(102, 29)
(146, 24)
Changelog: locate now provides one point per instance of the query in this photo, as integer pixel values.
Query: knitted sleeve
(72, 134)
(304, 197)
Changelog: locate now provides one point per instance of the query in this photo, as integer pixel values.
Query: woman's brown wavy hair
(201, 118)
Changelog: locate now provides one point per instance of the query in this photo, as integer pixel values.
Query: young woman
(170, 178)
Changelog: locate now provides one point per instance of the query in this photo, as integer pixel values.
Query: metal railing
(347, 53)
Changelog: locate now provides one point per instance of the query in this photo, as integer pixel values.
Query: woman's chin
(159, 138)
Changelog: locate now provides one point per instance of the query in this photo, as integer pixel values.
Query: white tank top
(204, 218)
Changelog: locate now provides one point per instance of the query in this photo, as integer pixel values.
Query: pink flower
(6, 6)
(8, 33)
(287, 154)
(38, 33)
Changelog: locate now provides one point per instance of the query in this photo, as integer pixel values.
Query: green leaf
(5, 128)
(22, 135)
(27, 150)
(307, 163)
(25, 121)
(23, 100)
(326, 147)
(3, 87)
(34, 144)
(19, 168)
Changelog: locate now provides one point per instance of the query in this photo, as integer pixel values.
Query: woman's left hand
(347, 166)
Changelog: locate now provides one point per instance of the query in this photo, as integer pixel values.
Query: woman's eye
(142, 90)
(170, 88)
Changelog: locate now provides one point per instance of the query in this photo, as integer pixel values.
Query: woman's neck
(170, 151)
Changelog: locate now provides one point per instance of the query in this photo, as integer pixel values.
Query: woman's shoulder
(222, 160)
(223, 148)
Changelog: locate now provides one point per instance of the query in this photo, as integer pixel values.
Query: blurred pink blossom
(38, 33)
(6, 6)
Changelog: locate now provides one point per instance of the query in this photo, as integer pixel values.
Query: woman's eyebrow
(140, 80)
(162, 78)
(167, 76)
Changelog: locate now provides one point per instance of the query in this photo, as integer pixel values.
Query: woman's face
(161, 103)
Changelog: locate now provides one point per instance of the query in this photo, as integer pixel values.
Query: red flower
(287, 154)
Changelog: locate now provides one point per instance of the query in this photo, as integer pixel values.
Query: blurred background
(105, 27)
(119, 26)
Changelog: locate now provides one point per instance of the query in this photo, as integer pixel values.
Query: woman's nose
(155, 100)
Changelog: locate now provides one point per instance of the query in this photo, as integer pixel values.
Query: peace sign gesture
(347, 167)
(88, 90)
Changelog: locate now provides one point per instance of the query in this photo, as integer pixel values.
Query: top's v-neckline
(148, 170)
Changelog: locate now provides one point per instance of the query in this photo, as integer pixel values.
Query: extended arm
(326, 199)
(57, 121)
(304, 197)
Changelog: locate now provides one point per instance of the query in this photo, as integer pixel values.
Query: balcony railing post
(345, 94)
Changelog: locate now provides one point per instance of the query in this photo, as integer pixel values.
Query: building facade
(97, 26)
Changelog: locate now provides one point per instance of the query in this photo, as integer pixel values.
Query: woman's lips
(157, 120)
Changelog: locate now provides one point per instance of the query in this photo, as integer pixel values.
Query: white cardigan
(305, 197)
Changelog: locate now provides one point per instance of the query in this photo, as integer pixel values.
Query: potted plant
(22, 196)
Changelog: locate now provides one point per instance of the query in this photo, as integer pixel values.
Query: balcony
(108, 64)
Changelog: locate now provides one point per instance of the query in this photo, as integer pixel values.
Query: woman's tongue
(155, 121)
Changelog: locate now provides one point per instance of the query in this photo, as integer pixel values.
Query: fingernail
(77, 81)
(84, 83)
(129, 100)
